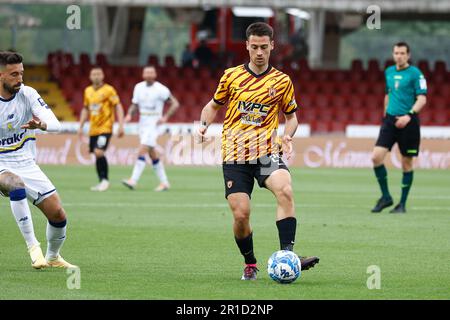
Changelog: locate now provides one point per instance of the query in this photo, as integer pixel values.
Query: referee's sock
(406, 185)
(102, 168)
(381, 174)
(22, 214)
(246, 247)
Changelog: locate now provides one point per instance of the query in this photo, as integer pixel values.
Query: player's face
(400, 55)
(96, 76)
(259, 49)
(149, 75)
(11, 77)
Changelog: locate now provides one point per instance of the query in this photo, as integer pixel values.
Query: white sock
(22, 214)
(160, 172)
(139, 167)
(56, 234)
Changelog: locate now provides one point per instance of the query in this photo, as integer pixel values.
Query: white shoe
(37, 258)
(162, 187)
(130, 184)
(102, 186)
(59, 262)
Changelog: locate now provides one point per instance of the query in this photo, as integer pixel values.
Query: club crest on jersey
(272, 92)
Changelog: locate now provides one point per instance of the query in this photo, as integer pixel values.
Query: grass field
(179, 244)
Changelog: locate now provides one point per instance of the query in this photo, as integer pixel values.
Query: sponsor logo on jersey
(16, 138)
(254, 108)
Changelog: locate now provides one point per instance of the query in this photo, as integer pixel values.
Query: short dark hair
(259, 29)
(8, 57)
(402, 44)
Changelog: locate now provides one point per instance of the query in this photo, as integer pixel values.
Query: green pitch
(179, 244)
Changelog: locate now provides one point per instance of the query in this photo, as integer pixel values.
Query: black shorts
(99, 142)
(408, 138)
(239, 177)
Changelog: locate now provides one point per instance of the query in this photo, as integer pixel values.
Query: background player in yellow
(255, 93)
(100, 102)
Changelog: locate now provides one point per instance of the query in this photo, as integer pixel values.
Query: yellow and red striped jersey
(101, 104)
(251, 120)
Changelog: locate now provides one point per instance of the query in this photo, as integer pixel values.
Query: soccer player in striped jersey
(254, 94)
(22, 111)
(100, 102)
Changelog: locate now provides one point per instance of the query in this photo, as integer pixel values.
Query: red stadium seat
(339, 101)
(338, 127)
(440, 66)
(153, 60)
(357, 65)
(373, 66)
(320, 126)
(358, 116)
(169, 61)
(423, 66)
(388, 63)
(340, 75)
(327, 87)
(101, 60)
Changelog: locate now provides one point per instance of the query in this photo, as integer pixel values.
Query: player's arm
(402, 121)
(44, 120)
(174, 105)
(209, 113)
(386, 102)
(421, 101)
(43, 117)
(290, 127)
(120, 119)
(83, 119)
(131, 111)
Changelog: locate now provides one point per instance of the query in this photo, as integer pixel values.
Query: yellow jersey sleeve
(288, 103)
(113, 97)
(86, 99)
(222, 92)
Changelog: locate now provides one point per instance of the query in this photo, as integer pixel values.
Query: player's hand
(402, 121)
(127, 118)
(121, 132)
(35, 124)
(200, 134)
(287, 146)
(162, 120)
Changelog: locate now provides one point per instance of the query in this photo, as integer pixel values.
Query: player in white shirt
(22, 111)
(149, 96)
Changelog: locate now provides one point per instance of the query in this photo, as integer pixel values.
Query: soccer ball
(284, 266)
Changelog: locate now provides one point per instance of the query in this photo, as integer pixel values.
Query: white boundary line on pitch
(225, 205)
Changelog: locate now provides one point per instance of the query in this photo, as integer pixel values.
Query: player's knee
(407, 165)
(377, 159)
(241, 214)
(241, 219)
(59, 215)
(99, 153)
(285, 193)
(12, 182)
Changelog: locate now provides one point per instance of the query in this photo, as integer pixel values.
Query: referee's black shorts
(408, 138)
(240, 177)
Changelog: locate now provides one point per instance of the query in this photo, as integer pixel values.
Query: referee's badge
(229, 183)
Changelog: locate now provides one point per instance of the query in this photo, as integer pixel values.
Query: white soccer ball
(284, 266)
